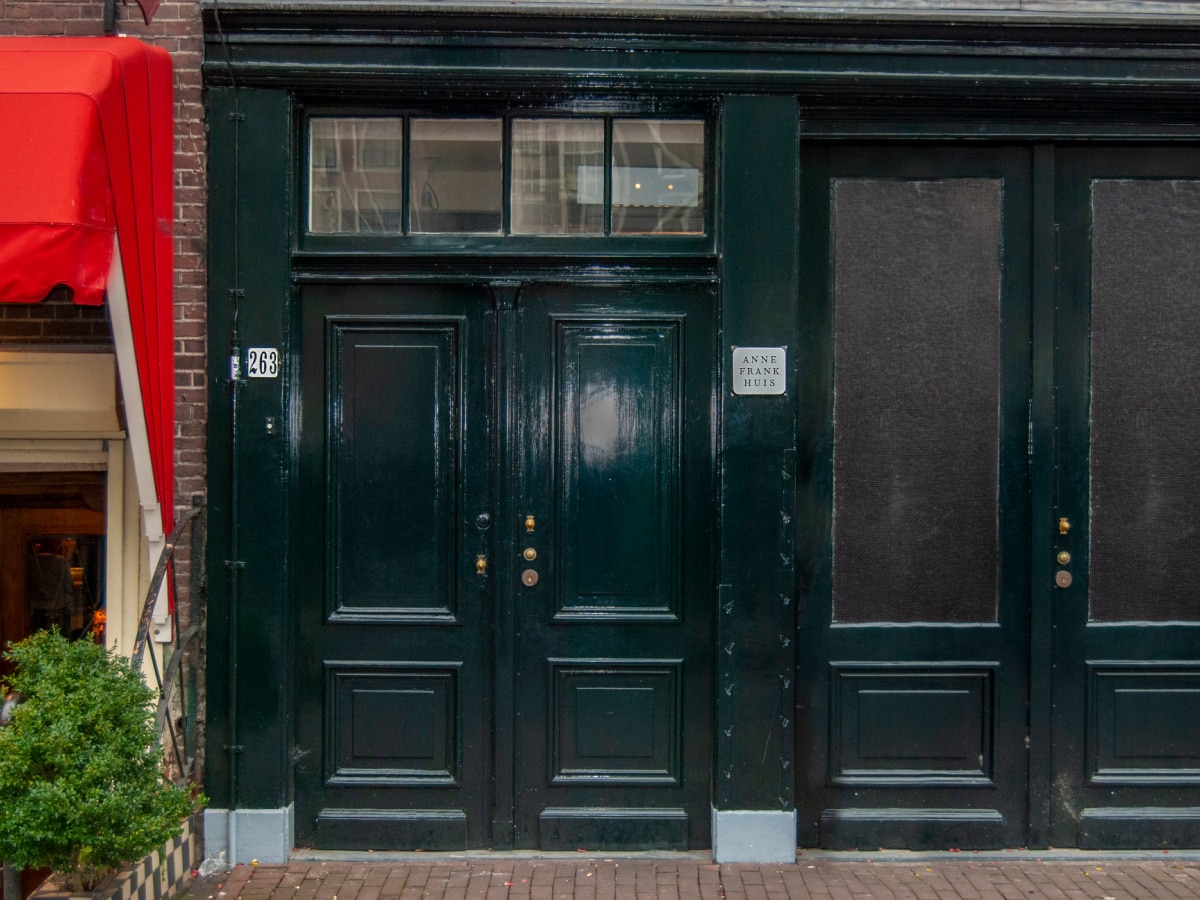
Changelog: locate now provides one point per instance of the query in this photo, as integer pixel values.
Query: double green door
(999, 633)
(501, 553)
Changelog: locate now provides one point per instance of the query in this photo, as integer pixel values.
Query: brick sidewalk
(659, 879)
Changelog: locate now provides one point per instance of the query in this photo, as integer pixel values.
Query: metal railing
(175, 664)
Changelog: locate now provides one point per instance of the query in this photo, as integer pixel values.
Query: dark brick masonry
(591, 878)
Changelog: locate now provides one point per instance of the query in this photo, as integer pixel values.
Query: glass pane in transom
(457, 179)
(355, 175)
(658, 176)
(558, 176)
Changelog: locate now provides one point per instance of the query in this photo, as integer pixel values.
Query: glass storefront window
(658, 176)
(558, 176)
(63, 578)
(457, 175)
(356, 175)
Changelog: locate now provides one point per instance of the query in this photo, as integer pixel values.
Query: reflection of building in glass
(62, 584)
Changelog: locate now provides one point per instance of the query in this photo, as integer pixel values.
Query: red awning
(87, 163)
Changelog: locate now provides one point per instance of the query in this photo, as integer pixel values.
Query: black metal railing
(175, 664)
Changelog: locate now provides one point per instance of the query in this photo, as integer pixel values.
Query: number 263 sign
(262, 362)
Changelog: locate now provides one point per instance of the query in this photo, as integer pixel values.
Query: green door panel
(613, 674)
(392, 398)
(391, 727)
(616, 412)
(1127, 648)
(913, 661)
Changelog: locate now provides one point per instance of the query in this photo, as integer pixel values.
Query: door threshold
(1056, 854)
(433, 856)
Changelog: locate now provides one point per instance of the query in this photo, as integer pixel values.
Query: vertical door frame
(1043, 489)
(503, 368)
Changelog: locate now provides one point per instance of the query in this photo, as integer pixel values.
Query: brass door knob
(529, 553)
(530, 523)
(481, 565)
(1063, 557)
(1064, 525)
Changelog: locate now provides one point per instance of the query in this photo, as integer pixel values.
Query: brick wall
(56, 320)
(176, 28)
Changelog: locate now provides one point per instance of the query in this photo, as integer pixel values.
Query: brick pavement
(613, 878)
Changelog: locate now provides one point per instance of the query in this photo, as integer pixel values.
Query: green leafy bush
(81, 785)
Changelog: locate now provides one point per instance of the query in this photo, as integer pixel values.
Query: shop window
(63, 584)
(564, 176)
(53, 550)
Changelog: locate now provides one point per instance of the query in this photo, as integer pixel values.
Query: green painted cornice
(1023, 62)
(1051, 12)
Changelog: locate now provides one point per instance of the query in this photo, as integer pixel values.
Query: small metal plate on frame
(759, 370)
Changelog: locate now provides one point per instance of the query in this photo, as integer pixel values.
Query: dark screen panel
(917, 336)
(1145, 472)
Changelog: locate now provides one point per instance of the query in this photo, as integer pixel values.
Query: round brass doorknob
(529, 578)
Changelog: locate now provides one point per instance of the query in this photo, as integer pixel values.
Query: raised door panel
(617, 472)
(394, 390)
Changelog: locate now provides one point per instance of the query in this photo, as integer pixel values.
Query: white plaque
(262, 362)
(759, 370)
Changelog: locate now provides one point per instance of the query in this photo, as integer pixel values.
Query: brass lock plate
(529, 578)
(529, 553)
(1063, 578)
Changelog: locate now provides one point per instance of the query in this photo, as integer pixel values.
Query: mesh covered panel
(917, 337)
(1145, 470)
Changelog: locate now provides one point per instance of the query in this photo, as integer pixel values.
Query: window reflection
(356, 175)
(658, 177)
(558, 176)
(63, 584)
(457, 175)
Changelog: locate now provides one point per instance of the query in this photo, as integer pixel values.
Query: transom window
(577, 176)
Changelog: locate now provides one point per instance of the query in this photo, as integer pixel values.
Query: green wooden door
(391, 508)
(913, 505)
(614, 469)
(503, 529)
(999, 640)
(1126, 539)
